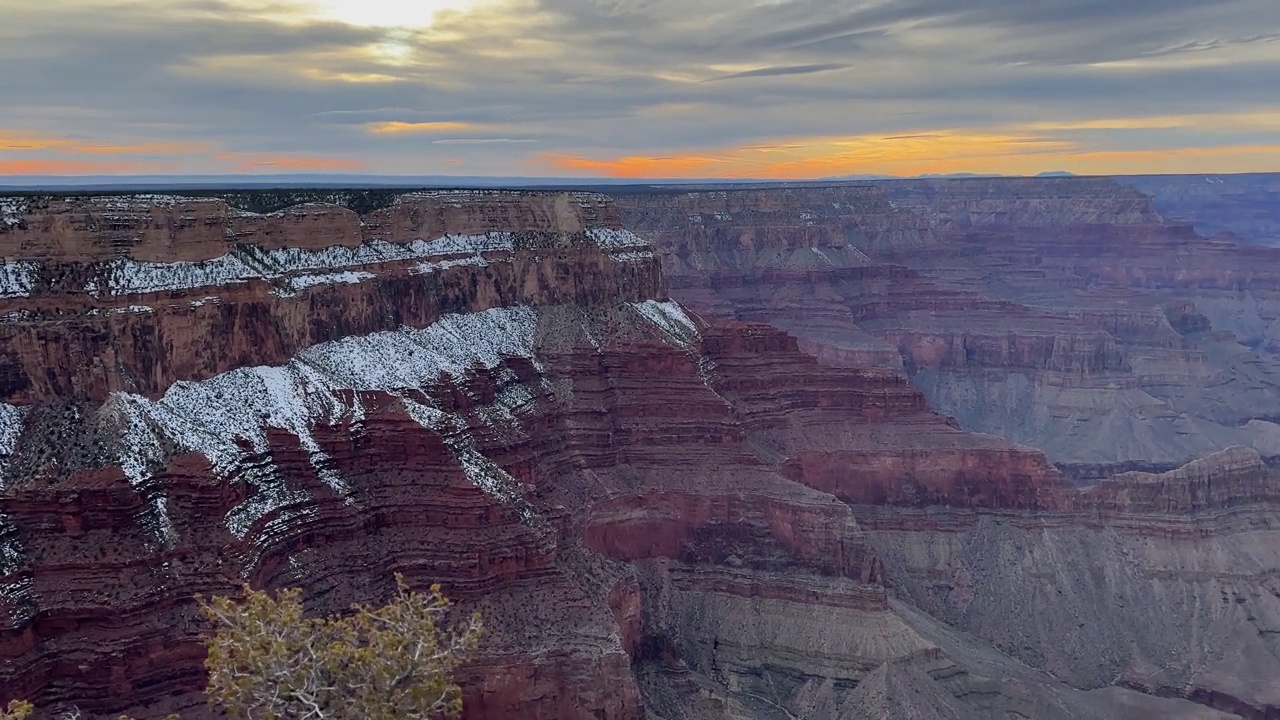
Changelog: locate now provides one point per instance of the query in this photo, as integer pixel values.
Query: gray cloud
(481, 141)
(779, 71)
(617, 77)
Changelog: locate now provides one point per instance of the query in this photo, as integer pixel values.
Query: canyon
(932, 449)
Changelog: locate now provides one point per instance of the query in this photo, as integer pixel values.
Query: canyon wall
(1062, 313)
(1246, 205)
(730, 501)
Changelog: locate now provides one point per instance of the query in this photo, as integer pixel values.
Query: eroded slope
(657, 509)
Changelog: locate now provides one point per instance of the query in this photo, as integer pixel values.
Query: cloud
(677, 85)
(482, 141)
(74, 167)
(13, 142)
(397, 127)
(779, 71)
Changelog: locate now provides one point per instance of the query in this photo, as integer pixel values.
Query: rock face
(1246, 206)
(1062, 313)
(729, 502)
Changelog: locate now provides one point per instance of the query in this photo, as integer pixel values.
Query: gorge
(935, 449)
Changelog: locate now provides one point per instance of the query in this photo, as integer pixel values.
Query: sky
(639, 88)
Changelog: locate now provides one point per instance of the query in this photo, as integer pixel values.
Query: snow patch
(671, 319)
(16, 594)
(610, 239)
(126, 276)
(297, 284)
(11, 556)
(431, 267)
(410, 358)
(12, 210)
(17, 278)
(485, 473)
(10, 430)
(633, 256)
(143, 201)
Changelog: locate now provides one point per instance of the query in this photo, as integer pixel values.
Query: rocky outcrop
(1232, 477)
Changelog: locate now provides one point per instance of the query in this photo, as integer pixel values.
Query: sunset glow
(636, 89)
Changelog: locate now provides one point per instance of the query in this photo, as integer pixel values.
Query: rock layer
(1062, 313)
(734, 506)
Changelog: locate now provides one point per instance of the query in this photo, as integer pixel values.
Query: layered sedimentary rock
(1162, 583)
(1246, 205)
(1067, 315)
(718, 507)
(1062, 313)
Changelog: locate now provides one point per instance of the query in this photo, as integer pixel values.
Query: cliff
(699, 506)
(1246, 206)
(488, 390)
(1062, 313)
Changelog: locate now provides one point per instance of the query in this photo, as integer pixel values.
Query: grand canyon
(936, 449)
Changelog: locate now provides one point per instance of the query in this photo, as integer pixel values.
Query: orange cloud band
(927, 152)
(396, 127)
(15, 142)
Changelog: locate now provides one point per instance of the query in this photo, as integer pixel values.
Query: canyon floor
(917, 449)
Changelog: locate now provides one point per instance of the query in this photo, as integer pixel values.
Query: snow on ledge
(12, 210)
(617, 240)
(671, 319)
(10, 429)
(331, 265)
(208, 416)
(17, 278)
(294, 285)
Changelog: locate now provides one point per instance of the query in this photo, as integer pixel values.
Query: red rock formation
(657, 512)
(165, 325)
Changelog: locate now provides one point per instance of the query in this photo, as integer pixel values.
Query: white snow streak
(207, 417)
(297, 284)
(671, 319)
(10, 429)
(125, 276)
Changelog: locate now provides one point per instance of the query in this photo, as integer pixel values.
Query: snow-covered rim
(14, 207)
(321, 386)
(334, 264)
(328, 266)
(318, 267)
